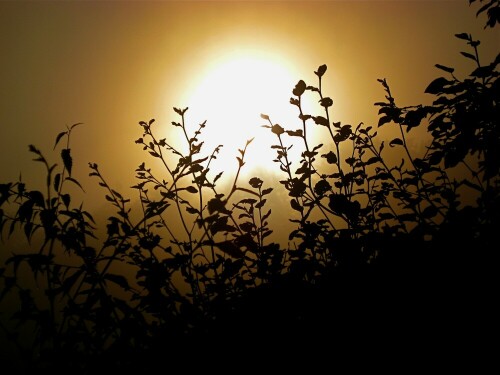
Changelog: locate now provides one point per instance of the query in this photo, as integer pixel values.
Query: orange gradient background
(111, 64)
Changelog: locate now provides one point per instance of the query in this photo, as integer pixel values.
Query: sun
(231, 95)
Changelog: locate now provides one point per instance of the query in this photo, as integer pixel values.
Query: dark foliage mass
(388, 259)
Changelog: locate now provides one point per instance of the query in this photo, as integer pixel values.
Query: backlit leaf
(436, 86)
(67, 159)
(445, 68)
(321, 70)
(58, 138)
(396, 141)
(299, 89)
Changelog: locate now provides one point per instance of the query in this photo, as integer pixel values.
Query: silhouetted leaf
(320, 120)
(57, 181)
(414, 117)
(464, 36)
(148, 242)
(249, 201)
(386, 215)
(192, 210)
(66, 198)
(70, 281)
(67, 160)
(481, 72)
(295, 205)
(330, 157)
(266, 215)
(37, 198)
(299, 89)
(34, 150)
(216, 205)
(58, 138)
(261, 203)
(429, 212)
(199, 161)
(321, 187)
(350, 161)
(437, 86)
(180, 111)
(295, 133)
(230, 249)
(468, 55)
(445, 68)
(372, 160)
(218, 176)
(326, 102)
(384, 120)
(112, 227)
(278, 130)
(317, 147)
(118, 279)
(297, 188)
(321, 70)
(191, 189)
(255, 182)
(266, 191)
(74, 181)
(396, 141)
(75, 125)
(247, 226)
(265, 117)
(5, 192)
(194, 168)
(304, 169)
(28, 230)
(343, 134)
(435, 158)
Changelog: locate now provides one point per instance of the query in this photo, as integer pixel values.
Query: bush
(376, 244)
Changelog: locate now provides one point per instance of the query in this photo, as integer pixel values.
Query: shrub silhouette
(375, 245)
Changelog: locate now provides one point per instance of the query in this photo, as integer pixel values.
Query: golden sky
(111, 64)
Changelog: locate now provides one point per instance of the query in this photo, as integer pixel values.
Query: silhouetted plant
(179, 276)
(196, 258)
(365, 197)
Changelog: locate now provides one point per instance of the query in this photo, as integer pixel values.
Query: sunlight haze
(111, 64)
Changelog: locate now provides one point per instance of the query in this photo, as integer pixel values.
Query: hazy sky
(111, 64)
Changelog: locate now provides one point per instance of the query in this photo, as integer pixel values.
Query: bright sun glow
(231, 95)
